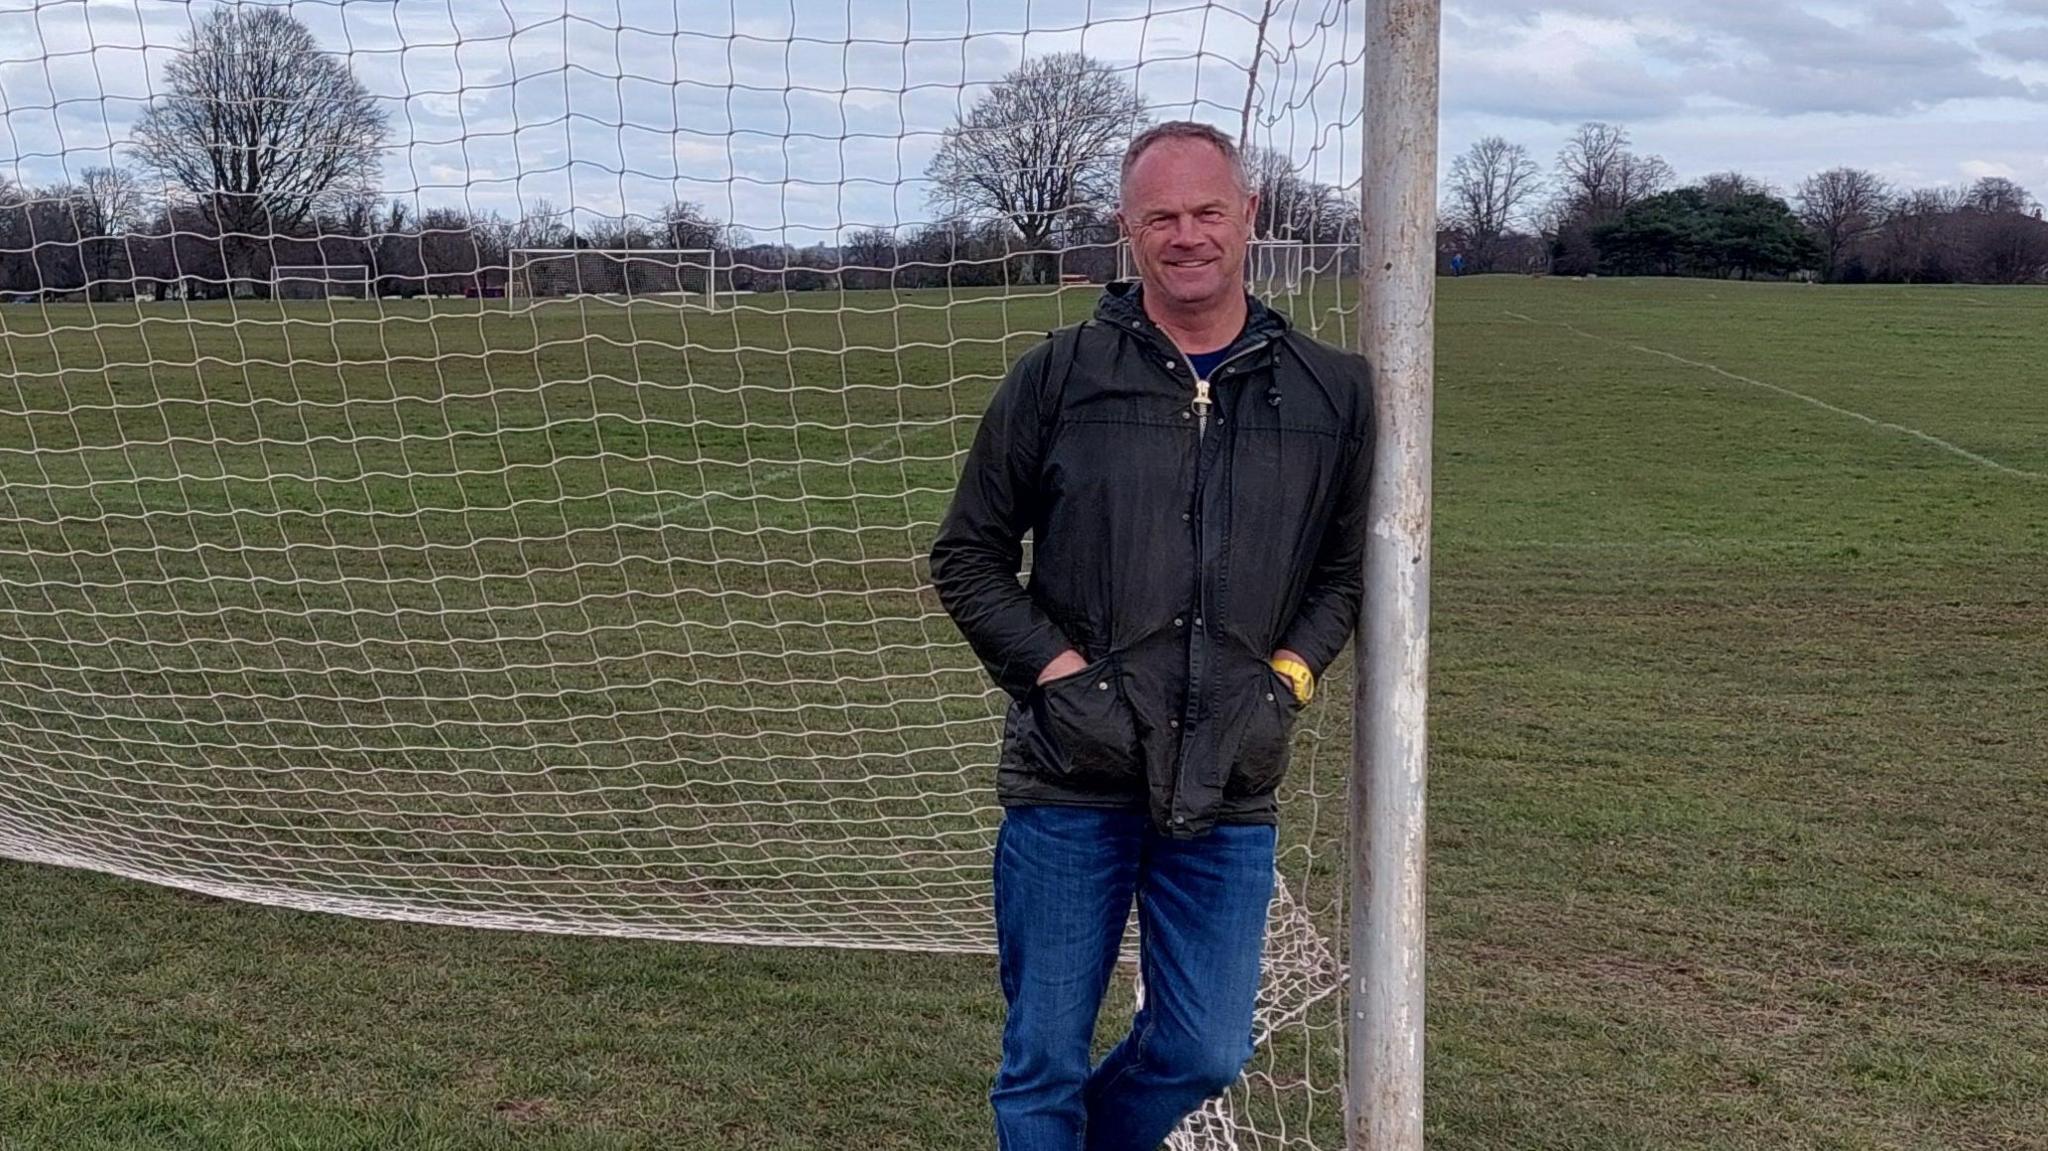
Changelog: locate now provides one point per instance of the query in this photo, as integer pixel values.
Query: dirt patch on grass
(523, 1110)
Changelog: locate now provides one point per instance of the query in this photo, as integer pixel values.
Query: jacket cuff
(1019, 673)
(1312, 653)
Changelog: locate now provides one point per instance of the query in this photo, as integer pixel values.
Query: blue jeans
(1064, 881)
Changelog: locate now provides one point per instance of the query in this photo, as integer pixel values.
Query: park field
(1739, 792)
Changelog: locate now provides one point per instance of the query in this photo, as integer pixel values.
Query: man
(1193, 471)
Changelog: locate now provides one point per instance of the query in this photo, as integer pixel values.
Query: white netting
(319, 281)
(607, 612)
(1273, 269)
(687, 277)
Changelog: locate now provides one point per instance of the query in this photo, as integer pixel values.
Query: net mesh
(609, 615)
(687, 277)
(318, 281)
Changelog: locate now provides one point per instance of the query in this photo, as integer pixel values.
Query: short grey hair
(1184, 130)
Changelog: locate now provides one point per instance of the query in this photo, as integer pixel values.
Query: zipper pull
(1202, 398)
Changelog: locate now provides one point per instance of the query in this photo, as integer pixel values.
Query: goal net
(320, 281)
(1272, 268)
(686, 277)
(567, 616)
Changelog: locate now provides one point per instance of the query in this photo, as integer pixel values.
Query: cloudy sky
(1919, 91)
(794, 117)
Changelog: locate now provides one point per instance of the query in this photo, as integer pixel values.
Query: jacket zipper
(1201, 404)
(1202, 400)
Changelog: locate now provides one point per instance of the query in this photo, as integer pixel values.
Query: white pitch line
(866, 456)
(1802, 397)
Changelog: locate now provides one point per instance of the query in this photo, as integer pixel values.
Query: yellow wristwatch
(1298, 677)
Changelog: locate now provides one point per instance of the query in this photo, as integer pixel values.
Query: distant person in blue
(1458, 264)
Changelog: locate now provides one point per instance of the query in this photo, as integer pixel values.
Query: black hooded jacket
(1176, 554)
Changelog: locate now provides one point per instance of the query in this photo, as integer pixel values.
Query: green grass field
(1738, 784)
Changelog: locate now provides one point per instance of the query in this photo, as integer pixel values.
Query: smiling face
(1188, 220)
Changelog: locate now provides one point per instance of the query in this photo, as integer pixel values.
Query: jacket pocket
(1087, 732)
(1268, 737)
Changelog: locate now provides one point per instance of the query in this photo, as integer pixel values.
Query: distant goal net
(575, 579)
(686, 277)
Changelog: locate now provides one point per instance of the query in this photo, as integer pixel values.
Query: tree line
(1605, 208)
(262, 152)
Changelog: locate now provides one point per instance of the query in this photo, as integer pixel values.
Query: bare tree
(1918, 241)
(954, 252)
(1090, 240)
(1046, 138)
(177, 252)
(494, 235)
(1993, 195)
(1492, 184)
(39, 248)
(1936, 201)
(685, 224)
(1586, 164)
(2006, 247)
(260, 125)
(2003, 237)
(354, 214)
(395, 249)
(541, 225)
(1293, 206)
(1731, 186)
(619, 232)
(1638, 177)
(1598, 177)
(1839, 207)
(15, 243)
(346, 234)
(113, 199)
(867, 258)
(107, 204)
(448, 253)
(601, 272)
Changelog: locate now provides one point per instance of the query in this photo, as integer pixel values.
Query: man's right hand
(1065, 663)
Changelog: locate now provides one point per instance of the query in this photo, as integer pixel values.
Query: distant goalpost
(609, 612)
(686, 277)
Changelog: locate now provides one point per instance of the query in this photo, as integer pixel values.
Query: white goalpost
(320, 281)
(686, 277)
(608, 612)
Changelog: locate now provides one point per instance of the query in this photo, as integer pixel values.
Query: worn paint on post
(1384, 1027)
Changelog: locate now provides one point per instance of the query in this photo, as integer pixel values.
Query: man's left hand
(1285, 661)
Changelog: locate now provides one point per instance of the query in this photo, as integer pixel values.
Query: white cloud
(1978, 169)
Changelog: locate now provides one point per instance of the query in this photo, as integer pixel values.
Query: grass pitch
(1738, 782)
